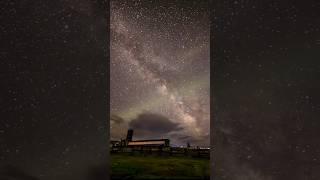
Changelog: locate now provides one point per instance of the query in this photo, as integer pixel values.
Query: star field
(160, 64)
(265, 90)
(53, 89)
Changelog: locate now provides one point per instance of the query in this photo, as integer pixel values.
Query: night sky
(265, 98)
(53, 88)
(160, 70)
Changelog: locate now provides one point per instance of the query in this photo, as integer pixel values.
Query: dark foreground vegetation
(125, 166)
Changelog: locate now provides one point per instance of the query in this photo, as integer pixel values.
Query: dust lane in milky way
(160, 69)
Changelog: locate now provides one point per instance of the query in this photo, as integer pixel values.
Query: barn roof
(146, 140)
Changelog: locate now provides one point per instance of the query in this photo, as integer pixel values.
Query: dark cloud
(155, 123)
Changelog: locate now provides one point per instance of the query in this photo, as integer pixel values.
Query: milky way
(160, 64)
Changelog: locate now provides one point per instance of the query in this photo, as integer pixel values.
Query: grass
(158, 167)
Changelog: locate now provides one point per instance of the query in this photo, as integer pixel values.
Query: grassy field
(158, 167)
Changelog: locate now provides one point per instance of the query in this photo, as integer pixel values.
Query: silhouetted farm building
(151, 142)
(155, 146)
(128, 142)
